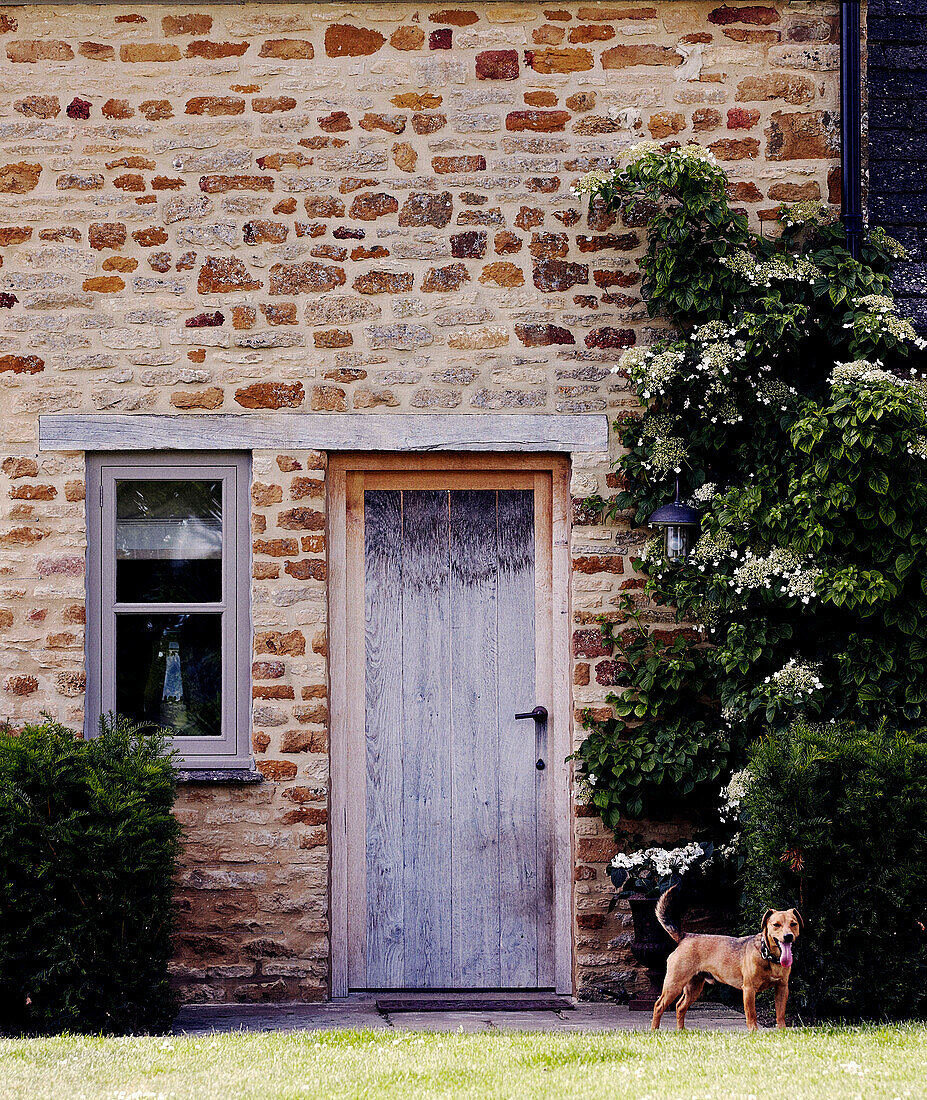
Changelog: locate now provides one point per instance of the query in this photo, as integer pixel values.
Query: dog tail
(664, 917)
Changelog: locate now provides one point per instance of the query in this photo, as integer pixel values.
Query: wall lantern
(679, 523)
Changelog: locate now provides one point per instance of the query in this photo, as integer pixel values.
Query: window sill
(231, 776)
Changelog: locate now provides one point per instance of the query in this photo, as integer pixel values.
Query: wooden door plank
(519, 740)
(353, 797)
(561, 732)
(426, 763)
(553, 773)
(339, 902)
(475, 850)
(383, 737)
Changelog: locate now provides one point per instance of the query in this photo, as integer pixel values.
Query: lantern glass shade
(678, 541)
(679, 523)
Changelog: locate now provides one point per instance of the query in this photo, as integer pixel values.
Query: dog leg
(671, 990)
(690, 995)
(750, 1007)
(782, 996)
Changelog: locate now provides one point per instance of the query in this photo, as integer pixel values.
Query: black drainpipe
(851, 194)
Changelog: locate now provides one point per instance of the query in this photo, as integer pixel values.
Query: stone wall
(335, 208)
(897, 87)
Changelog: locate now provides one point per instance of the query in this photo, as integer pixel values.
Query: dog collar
(765, 953)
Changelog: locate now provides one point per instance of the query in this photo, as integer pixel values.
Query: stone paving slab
(362, 1013)
(199, 1019)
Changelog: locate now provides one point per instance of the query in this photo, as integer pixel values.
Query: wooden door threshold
(475, 1001)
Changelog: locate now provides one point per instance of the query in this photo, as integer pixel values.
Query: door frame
(344, 646)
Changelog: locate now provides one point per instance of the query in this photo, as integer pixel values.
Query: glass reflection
(169, 672)
(168, 541)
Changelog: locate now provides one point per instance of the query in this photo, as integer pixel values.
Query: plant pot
(651, 947)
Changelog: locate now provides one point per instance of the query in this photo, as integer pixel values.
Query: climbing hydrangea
(704, 494)
(712, 549)
(876, 320)
(771, 391)
(651, 372)
(733, 795)
(796, 678)
(877, 303)
(667, 454)
(766, 272)
(860, 372)
(719, 357)
(917, 447)
(809, 212)
(662, 860)
(591, 183)
(781, 571)
(785, 407)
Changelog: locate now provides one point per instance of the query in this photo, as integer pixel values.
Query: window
(168, 632)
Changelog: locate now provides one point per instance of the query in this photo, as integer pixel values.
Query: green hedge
(835, 822)
(88, 853)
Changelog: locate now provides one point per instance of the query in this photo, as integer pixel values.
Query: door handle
(539, 714)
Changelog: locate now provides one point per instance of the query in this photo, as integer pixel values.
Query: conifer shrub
(88, 853)
(833, 822)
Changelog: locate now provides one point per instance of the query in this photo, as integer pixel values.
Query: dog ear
(766, 916)
(801, 923)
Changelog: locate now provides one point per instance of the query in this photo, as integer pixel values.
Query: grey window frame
(233, 749)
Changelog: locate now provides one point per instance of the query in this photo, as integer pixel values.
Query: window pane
(168, 541)
(169, 671)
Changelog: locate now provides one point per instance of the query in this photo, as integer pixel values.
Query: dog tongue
(785, 955)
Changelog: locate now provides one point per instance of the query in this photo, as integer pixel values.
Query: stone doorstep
(360, 1012)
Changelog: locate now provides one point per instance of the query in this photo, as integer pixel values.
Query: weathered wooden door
(450, 874)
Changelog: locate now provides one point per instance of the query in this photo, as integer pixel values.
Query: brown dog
(750, 963)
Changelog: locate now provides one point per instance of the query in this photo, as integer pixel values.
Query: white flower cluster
(654, 551)
(645, 149)
(592, 182)
(781, 569)
(585, 785)
(902, 329)
(661, 860)
(861, 372)
(811, 212)
(667, 451)
(704, 494)
(720, 349)
(726, 411)
(718, 358)
(667, 454)
(877, 303)
(651, 371)
(796, 678)
(640, 150)
(712, 331)
(727, 851)
(739, 784)
(711, 550)
(732, 796)
(777, 269)
(709, 619)
(894, 248)
(655, 427)
(917, 448)
(770, 391)
(878, 316)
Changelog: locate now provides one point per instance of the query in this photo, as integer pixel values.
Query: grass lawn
(799, 1063)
